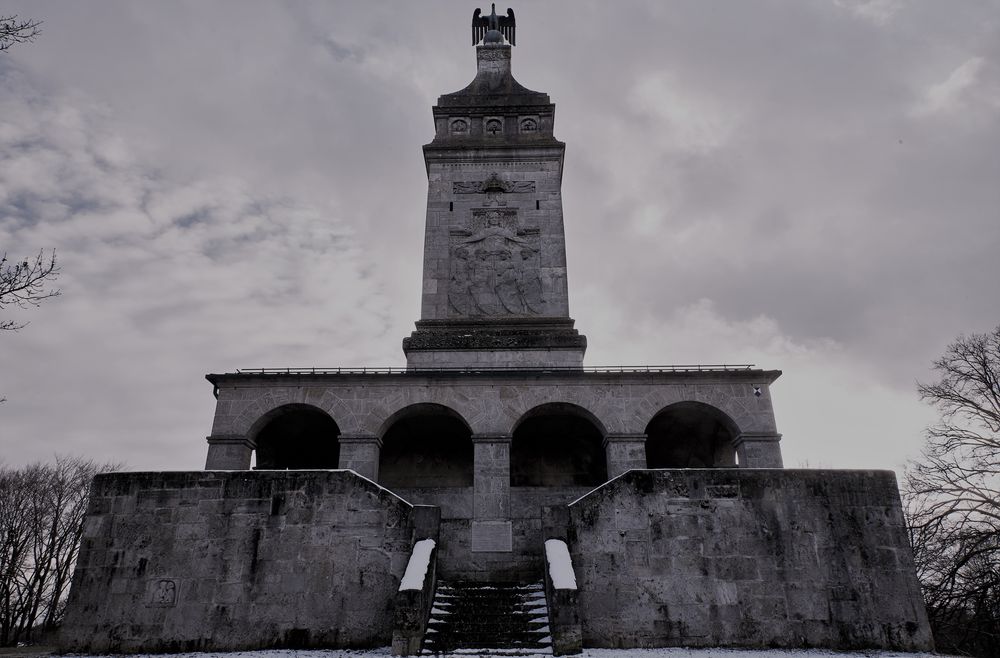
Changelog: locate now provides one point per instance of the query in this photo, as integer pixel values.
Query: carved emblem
(495, 267)
(459, 127)
(529, 125)
(493, 126)
(493, 184)
(163, 593)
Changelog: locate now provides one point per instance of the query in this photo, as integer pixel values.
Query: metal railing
(698, 367)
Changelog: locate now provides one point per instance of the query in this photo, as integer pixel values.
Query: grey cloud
(770, 179)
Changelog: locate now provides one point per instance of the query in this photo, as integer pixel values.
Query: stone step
(510, 619)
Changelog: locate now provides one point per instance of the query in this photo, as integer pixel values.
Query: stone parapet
(229, 561)
(748, 558)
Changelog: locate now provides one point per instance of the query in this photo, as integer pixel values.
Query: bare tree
(42, 509)
(953, 498)
(25, 283)
(14, 30)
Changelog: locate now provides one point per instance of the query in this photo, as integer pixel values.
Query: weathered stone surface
(762, 558)
(238, 560)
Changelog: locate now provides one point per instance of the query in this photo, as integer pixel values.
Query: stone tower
(663, 485)
(494, 281)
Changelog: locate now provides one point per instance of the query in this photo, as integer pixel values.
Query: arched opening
(558, 445)
(426, 446)
(297, 436)
(691, 435)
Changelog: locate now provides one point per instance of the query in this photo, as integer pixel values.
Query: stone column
(360, 453)
(491, 527)
(228, 452)
(758, 450)
(624, 452)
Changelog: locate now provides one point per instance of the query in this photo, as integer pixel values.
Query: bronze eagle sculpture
(482, 24)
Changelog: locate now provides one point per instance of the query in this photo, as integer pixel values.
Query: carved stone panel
(494, 188)
(494, 267)
(162, 593)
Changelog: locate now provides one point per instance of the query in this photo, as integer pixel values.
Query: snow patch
(416, 568)
(560, 564)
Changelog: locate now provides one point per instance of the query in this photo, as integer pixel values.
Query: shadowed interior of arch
(298, 437)
(556, 447)
(690, 435)
(428, 447)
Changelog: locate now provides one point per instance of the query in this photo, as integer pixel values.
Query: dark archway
(558, 445)
(426, 446)
(691, 435)
(297, 436)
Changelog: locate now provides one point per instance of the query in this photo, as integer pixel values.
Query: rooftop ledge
(732, 368)
(723, 367)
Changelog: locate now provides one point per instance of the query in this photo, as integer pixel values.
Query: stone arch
(691, 434)
(558, 444)
(426, 445)
(295, 436)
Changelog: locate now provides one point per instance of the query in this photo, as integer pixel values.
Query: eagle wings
(482, 24)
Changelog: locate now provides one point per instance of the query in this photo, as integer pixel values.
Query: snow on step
(488, 618)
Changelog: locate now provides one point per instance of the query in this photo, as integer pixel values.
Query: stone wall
(456, 557)
(237, 560)
(746, 558)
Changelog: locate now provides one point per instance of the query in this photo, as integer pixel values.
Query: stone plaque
(491, 537)
(162, 593)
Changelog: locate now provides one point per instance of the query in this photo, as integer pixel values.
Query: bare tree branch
(42, 508)
(25, 283)
(14, 30)
(953, 499)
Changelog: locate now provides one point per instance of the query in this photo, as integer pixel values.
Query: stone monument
(665, 484)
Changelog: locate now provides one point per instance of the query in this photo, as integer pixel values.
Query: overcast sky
(810, 186)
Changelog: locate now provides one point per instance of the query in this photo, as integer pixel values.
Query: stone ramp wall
(757, 558)
(237, 560)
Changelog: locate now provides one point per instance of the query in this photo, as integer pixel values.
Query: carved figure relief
(164, 593)
(459, 127)
(495, 267)
(529, 125)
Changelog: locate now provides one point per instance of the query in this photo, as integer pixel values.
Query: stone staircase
(488, 618)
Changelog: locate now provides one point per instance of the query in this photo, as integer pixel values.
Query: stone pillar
(624, 452)
(360, 453)
(491, 527)
(758, 450)
(228, 452)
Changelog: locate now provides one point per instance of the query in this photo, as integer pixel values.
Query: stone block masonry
(756, 558)
(193, 561)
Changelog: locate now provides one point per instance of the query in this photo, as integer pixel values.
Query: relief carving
(493, 184)
(495, 269)
(163, 594)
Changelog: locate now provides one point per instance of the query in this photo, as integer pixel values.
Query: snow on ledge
(560, 564)
(416, 568)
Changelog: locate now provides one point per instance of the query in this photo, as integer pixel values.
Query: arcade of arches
(554, 445)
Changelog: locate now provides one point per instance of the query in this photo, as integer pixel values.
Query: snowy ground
(588, 653)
